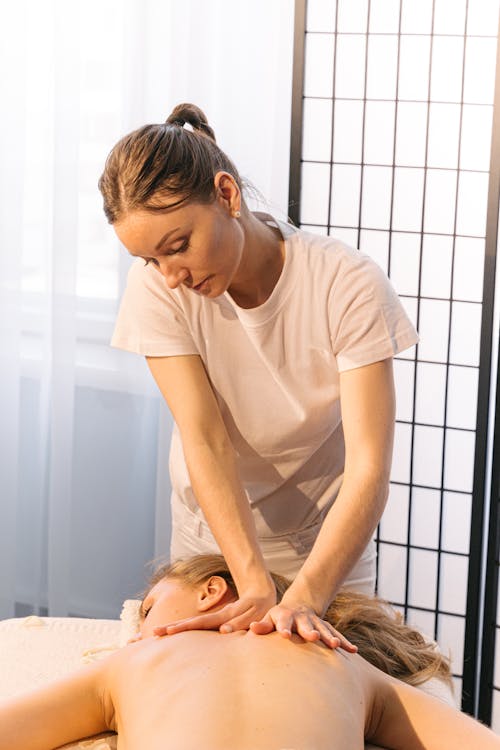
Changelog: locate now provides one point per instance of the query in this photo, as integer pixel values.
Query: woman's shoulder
(328, 245)
(331, 256)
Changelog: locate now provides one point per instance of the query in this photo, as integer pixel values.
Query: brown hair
(370, 623)
(155, 163)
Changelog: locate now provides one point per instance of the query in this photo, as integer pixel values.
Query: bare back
(203, 689)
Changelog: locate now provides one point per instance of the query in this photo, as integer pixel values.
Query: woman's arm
(399, 716)
(211, 463)
(409, 719)
(71, 708)
(368, 414)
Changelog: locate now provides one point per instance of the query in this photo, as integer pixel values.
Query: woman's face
(197, 245)
(168, 601)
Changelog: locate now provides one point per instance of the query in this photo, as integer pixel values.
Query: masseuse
(273, 348)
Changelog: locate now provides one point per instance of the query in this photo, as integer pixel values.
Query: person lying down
(211, 690)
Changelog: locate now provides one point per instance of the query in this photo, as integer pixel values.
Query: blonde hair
(371, 624)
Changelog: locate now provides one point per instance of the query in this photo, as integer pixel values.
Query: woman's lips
(199, 287)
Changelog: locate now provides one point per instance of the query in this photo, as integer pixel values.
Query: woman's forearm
(211, 462)
(368, 434)
(346, 531)
(218, 489)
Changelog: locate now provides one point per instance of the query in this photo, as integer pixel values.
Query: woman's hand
(289, 617)
(234, 616)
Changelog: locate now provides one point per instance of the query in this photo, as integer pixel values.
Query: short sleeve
(367, 320)
(151, 320)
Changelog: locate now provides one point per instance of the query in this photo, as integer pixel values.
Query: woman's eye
(181, 249)
(147, 261)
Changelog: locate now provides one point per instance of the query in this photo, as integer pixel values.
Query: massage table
(35, 650)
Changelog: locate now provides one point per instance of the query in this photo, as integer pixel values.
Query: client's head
(186, 588)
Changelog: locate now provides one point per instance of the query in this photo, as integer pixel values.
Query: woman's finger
(241, 622)
(307, 631)
(305, 625)
(284, 622)
(333, 638)
(223, 620)
(344, 643)
(201, 622)
(277, 618)
(328, 636)
(262, 627)
(232, 625)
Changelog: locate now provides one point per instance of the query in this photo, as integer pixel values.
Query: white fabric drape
(84, 489)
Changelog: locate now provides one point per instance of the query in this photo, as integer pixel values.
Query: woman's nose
(173, 276)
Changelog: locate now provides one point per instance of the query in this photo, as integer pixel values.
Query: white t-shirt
(275, 368)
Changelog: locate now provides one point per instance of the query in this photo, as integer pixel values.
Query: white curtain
(84, 488)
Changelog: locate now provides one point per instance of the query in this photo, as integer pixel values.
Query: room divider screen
(392, 152)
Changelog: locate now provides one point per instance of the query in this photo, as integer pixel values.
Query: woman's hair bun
(190, 113)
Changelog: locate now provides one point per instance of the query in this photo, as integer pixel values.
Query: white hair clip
(188, 126)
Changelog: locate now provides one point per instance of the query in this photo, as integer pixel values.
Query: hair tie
(188, 126)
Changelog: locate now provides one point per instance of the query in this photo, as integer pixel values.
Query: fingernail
(226, 629)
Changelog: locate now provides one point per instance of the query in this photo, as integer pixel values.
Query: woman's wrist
(300, 593)
(261, 584)
(256, 580)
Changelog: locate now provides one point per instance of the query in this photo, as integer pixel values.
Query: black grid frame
(488, 686)
(414, 547)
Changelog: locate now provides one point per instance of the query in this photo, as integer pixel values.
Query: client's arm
(68, 709)
(406, 718)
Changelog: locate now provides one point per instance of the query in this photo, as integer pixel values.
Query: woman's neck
(261, 264)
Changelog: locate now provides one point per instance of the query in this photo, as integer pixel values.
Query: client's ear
(214, 592)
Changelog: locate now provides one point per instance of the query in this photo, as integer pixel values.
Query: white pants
(283, 554)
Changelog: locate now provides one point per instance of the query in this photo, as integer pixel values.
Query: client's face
(168, 601)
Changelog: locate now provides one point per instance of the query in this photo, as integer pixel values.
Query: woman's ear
(227, 190)
(213, 593)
